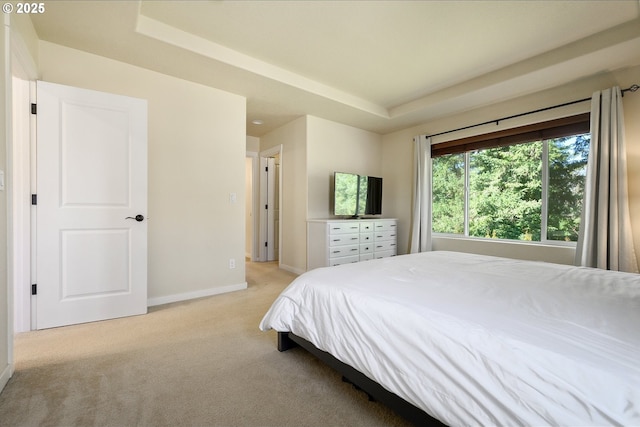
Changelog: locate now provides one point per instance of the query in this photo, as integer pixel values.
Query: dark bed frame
(288, 340)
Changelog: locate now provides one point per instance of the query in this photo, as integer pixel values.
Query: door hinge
(34, 109)
(34, 199)
(266, 168)
(34, 289)
(266, 206)
(266, 244)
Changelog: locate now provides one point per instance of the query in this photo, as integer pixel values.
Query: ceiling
(376, 65)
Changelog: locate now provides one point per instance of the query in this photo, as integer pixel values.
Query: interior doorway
(270, 203)
(273, 207)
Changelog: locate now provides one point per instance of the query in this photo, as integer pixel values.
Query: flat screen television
(356, 195)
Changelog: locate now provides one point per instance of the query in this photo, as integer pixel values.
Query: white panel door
(91, 228)
(271, 211)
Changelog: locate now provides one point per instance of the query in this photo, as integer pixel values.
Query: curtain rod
(632, 88)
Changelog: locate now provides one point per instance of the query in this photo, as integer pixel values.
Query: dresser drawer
(366, 257)
(366, 248)
(366, 237)
(385, 245)
(385, 235)
(344, 260)
(366, 227)
(344, 227)
(385, 254)
(344, 239)
(385, 226)
(344, 250)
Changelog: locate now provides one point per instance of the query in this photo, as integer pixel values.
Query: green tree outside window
(506, 191)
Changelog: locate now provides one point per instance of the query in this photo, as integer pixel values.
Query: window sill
(551, 243)
(560, 252)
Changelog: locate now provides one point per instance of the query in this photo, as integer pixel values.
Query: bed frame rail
(288, 340)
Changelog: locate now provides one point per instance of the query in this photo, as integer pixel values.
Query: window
(448, 201)
(567, 166)
(523, 189)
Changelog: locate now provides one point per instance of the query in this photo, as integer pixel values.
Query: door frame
(21, 226)
(263, 201)
(23, 181)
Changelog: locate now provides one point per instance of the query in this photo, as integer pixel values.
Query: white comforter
(478, 340)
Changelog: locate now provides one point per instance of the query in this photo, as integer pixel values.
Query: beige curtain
(421, 220)
(605, 237)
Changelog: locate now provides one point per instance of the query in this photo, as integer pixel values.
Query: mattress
(479, 340)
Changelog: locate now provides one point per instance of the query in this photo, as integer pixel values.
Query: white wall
(248, 207)
(335, 147)
(196, 159)
(253, 144)
(398, 152)
(24, 35)
(252, 185)
(293, 168)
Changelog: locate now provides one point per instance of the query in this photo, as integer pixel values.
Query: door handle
(138, 218)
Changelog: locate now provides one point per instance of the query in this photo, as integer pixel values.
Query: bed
(476, 340)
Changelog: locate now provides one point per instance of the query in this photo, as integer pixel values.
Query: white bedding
(478, 340)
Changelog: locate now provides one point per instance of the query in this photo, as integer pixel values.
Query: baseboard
(5, 375)
(196, 294)
(290, 269)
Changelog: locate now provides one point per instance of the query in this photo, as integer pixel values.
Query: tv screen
(356, 195)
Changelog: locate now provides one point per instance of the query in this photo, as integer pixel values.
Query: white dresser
(340, 241)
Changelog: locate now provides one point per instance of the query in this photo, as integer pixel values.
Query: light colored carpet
(197, 363)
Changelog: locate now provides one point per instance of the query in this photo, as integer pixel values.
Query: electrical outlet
(232, 263)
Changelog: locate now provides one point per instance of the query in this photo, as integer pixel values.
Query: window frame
(543, 131)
